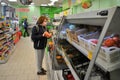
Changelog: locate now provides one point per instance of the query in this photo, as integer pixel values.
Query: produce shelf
(2, 38)
(3, 46)
(69, 64)
(101, 63)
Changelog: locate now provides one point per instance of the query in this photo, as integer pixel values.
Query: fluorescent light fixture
(50, 4)
(3, 3)
(12, 0)
(32, 3)
(53, 0)
(44, 5)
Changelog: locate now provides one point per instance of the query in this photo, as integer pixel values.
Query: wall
(96, 5)
(37, 11)
(34, 11)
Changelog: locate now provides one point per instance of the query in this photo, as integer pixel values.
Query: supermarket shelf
(10, 39)
(69, 65)
(102, 64)
(9, 36)
(4, 42)
(81, 49)
(15, 32)
(1, 32)
(6, 31)
(3, 46)
(13, 49)
(2, 38)
(5, 52)
(5, 60)
(11, 45)
(1, 27)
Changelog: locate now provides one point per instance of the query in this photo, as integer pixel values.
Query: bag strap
(37, 28)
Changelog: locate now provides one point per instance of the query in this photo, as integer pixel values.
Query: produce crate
(108, 54)
(92, 46)
(84, 40)
(81, 41)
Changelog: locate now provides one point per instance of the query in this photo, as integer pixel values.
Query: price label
(67, 62)
(90, 55)
(70, 41)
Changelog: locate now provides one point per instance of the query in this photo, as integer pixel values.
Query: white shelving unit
(109, 19)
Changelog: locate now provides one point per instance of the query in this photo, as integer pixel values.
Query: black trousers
(26, 32)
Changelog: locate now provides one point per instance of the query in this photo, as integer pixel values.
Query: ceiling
(36, 2)
(39, 2)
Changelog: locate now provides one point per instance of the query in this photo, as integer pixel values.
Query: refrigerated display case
(95, 28)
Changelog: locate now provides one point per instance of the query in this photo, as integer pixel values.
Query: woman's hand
(47, 34)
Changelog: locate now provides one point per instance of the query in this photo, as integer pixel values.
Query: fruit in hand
(58, 57)
(47, 34)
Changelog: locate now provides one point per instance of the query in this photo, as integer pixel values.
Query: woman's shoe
(41, 73)
(43, 70)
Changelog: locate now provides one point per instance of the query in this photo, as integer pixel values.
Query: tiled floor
(21, 64)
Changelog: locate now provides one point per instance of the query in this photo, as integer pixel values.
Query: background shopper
(39, 37)
(25, 24)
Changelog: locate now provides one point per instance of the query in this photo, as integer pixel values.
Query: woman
(39, 38)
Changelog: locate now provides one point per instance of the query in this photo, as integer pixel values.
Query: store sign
(22, 9)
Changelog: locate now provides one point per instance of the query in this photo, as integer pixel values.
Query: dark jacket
(39, 41)
(25, 24)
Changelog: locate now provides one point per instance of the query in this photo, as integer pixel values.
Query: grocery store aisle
(22, 64)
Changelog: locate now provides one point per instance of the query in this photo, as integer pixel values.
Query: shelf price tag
(70, 41)
(67, 62)
(90, 55)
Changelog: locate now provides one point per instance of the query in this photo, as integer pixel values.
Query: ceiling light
(32, 3)
(44, 5)
(50, 4)
(12, 0)
(3, 3)
(54, 0)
